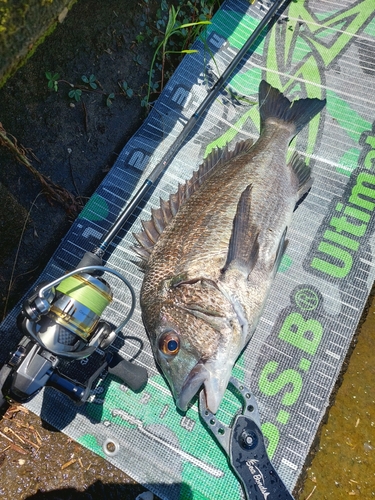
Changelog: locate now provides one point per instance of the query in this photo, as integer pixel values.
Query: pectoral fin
(243, 250)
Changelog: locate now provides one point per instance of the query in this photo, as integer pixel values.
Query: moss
(12, 19)
(23, 27)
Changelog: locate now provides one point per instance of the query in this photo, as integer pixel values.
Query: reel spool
(64, 315)
(82, 300)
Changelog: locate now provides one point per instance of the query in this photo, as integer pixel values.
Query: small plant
(52, 80)
(109, 99)
(137, 59)
(75, 94)
(91, 80)
(173, 27)
(76, 91)
(126, 89)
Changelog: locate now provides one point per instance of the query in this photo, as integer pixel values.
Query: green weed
(75, 94)
(76, 91)
(91, 80)
(173, 27)
(52, 80)
(126, 89)
(172, 34)
(109, 99)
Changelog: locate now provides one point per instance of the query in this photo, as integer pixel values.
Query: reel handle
(134, 376)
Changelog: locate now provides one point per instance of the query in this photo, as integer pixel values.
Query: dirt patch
(49, 465)
(72, 143)
(11, 221)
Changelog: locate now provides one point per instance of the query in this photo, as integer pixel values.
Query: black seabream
(211, 251)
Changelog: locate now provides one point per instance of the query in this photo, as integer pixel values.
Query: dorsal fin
(162, 216)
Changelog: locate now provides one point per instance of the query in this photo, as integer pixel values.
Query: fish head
(196, 339)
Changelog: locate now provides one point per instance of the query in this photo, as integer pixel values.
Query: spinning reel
(61, 321)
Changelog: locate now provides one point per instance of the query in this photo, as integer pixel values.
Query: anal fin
(243, 247)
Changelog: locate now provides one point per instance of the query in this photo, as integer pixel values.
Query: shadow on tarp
(59, 410)
(113, 491)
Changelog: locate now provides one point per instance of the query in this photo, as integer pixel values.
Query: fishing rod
(190, 124)
(61, 320)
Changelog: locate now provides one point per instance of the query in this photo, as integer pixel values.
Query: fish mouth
(214, 387)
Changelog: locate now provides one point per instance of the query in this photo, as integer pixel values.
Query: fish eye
(169, 343)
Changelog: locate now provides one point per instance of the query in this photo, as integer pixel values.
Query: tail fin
(273, 104)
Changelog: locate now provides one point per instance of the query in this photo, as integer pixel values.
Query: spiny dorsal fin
(161, 217)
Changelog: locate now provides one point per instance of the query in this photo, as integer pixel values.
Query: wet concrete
(342, 464)
(76, 143)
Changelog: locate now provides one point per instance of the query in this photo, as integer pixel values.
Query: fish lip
(193, 382)
(214, 386)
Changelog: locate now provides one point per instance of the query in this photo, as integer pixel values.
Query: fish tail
(273, 104)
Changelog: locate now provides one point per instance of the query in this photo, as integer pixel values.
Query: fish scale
(211, 251)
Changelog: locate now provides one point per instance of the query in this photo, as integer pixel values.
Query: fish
(211, 251)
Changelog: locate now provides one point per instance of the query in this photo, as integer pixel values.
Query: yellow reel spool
(83, 300)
